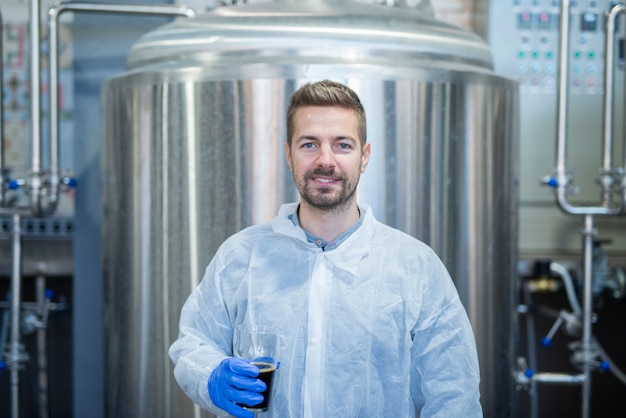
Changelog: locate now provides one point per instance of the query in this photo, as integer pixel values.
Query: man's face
(325, 156)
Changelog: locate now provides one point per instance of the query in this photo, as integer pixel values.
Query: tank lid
(312, 32)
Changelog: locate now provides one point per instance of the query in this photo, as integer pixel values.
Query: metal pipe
(613, 368)
(609, 80)
(159, 10)
(4, 326)
(574, 379)
(569, 287)
(42, 357)
(2, 169)
(14, 345)
(589, 234)
(533, 393)
(563, 82)
(562, 106)
(623, 185)
(53, 16)
(52, 306)
(35, 107)
(35, 84)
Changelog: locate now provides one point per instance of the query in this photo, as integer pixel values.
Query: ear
(365, 157)
(288, 156)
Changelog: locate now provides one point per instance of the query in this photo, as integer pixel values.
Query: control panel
(524, 37)
(533, 61)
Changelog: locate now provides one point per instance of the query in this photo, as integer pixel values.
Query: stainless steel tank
(193, 152)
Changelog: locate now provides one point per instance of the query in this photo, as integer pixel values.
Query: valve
(16, 357)
(523, 374)
(564, 180)
(69, 182)
(590, 356)
(547, 340)
(30, 322)
(606, 179)
(610, 180)
(605, 366)
(550, 181)
(572, 327)
(14, 184)
(34, 319)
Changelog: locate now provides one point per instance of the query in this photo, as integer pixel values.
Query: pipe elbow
(56, 9)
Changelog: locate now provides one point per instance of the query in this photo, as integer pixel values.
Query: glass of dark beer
(258, 345)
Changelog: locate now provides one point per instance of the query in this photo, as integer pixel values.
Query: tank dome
(317, 32)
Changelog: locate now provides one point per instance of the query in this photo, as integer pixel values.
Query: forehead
(329, 116)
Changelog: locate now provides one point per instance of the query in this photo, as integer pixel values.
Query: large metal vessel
(193, 152)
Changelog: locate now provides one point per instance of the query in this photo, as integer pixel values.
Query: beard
(326, 198)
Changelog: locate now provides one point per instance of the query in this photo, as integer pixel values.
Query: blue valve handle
(552, 182)
(70, 182)
(547, 340)
(605, 366)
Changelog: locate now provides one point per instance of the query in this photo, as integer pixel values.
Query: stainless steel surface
(52, 257)
(299, 33)
(193, 152)
(46, 247)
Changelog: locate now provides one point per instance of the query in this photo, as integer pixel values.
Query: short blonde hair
(326, 93)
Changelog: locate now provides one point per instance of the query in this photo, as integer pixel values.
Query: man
(371, 323)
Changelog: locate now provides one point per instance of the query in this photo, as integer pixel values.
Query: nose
(325, 156)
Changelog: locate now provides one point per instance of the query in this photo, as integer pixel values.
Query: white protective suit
(374, 328)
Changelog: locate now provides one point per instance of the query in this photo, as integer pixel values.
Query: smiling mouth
(324, 177)
(324, 180)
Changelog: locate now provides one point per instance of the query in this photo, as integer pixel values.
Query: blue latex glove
(235, 381)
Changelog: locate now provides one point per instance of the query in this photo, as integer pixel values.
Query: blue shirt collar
(322, 243)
